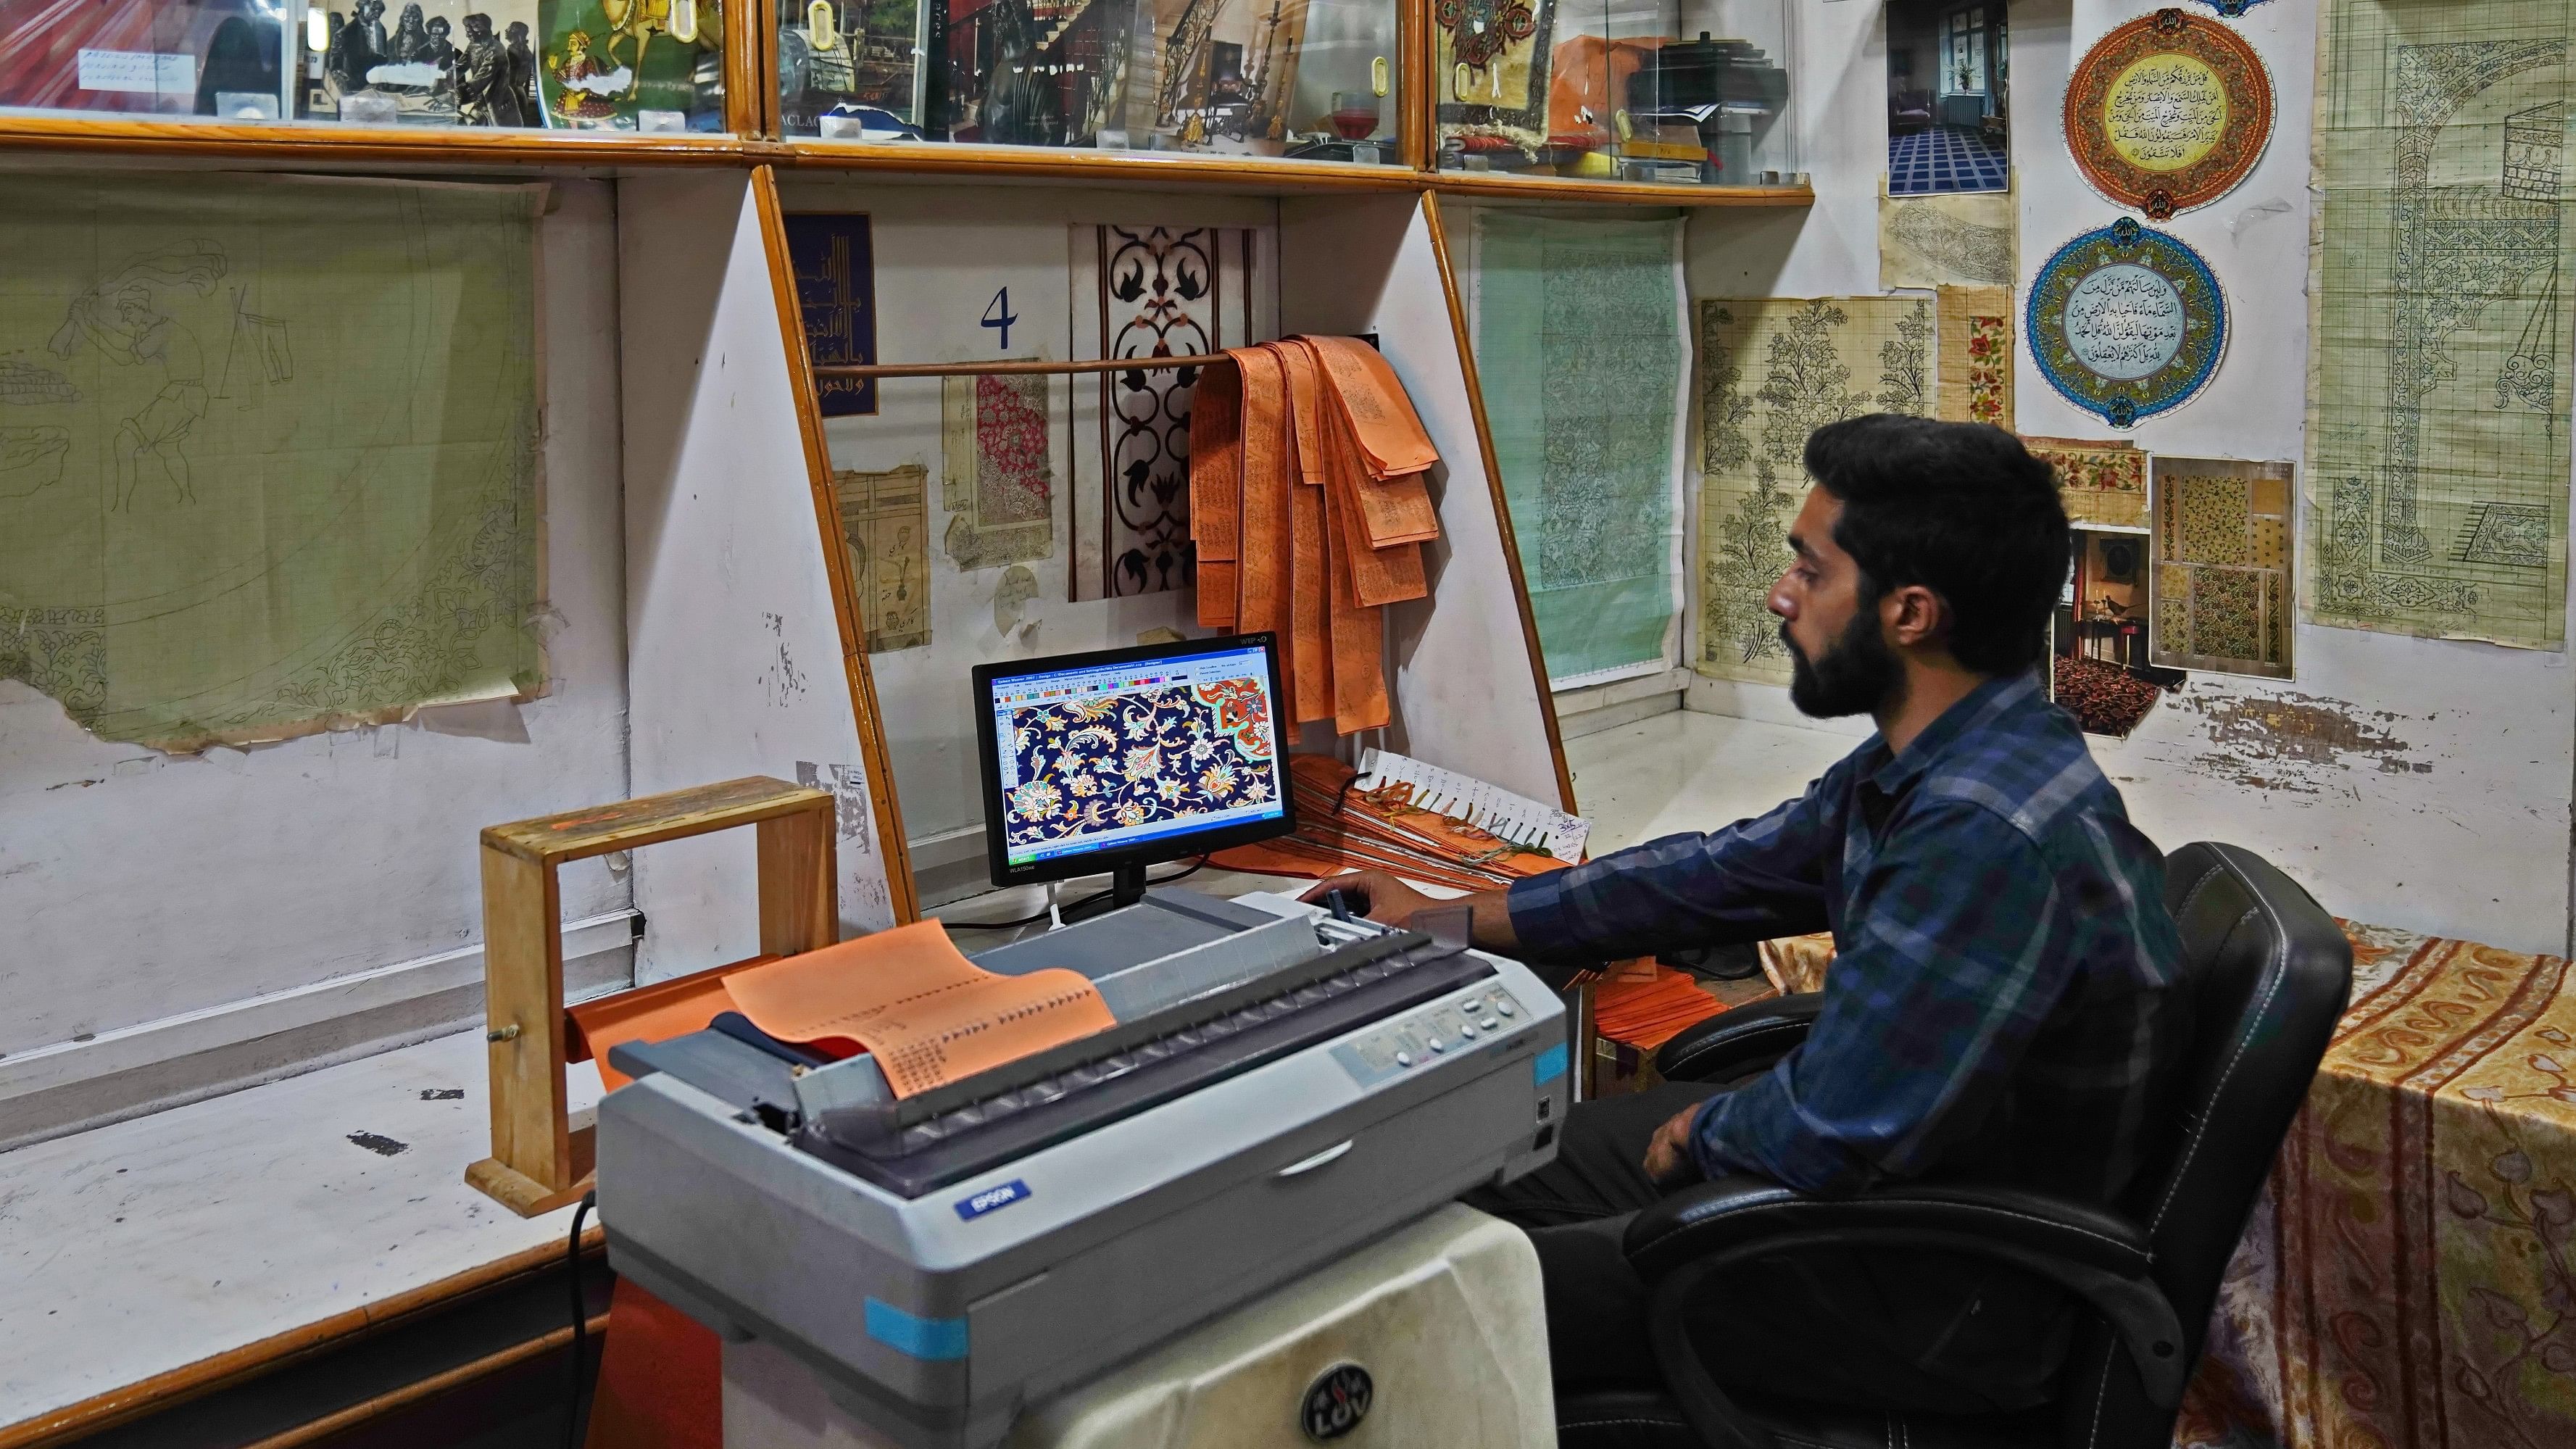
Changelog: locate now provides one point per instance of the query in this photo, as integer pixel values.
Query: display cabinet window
(1680, 92)
(593, 65)
(1303, 79)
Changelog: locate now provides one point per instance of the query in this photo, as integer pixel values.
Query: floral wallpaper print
(1975, 327)
(1138, 759)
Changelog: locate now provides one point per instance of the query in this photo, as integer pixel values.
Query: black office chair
(2269, 972)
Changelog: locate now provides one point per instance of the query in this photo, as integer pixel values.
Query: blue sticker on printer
(1550, 1064)
(991, 1199)
(935, 1339)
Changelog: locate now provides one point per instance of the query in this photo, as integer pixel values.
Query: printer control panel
(1417, 1039)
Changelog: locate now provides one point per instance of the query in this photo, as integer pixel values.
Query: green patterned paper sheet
(1772, 371)
(267, 451)
(1579, 348)
(2437, 399)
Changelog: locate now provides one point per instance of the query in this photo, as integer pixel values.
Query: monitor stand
(1126, 888)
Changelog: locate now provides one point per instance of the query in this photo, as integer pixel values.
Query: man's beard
(1857, 673)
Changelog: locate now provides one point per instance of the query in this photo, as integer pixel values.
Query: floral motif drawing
(1772, 372)
(1156, 292)
(1130, 760)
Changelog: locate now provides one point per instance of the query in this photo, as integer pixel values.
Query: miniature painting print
(835, 266)
(999, 487)
(632, 65)
(885, 524)
(1145, 291)
(1952, 239)
(229, 510)
(1079, 766)
(2168, 112)
(1772, 371)
(1948, 98)
(2222, 553)
(1580, 347)
(2126, 322)
(2438, 405)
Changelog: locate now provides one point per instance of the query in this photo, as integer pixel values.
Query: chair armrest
(2095, 1255)
(1739, 1042)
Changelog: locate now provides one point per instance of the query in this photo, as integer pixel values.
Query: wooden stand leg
(532, 1168)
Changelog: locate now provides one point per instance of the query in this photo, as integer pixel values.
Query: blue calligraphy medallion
(2126, 322)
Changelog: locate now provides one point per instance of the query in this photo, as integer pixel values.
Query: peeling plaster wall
(2410, 782)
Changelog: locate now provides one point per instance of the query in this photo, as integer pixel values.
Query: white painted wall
(2464, 828)
(161, 905)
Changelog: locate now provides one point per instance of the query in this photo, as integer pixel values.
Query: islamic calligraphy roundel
(2168, 112)
(2126, 322)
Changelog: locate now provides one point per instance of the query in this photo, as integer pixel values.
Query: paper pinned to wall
(885, 525)
(1975, 355)
(2438, 290)
(997, 438)
(2222, 558)
(268, 454)
(1772, 371)
(1962, 239)
(1580, 348)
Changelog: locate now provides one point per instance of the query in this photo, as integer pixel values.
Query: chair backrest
(2267, 975)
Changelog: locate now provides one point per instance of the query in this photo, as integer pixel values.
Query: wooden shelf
(1090, 167)
(329, 143)
(1570, 190)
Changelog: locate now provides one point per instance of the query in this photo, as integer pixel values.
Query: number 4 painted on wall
(998, 315)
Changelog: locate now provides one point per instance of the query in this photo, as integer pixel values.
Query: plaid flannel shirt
(2003, 1005)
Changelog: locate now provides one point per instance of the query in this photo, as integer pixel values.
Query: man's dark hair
(1962, 509)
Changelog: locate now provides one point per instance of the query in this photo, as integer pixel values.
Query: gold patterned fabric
(2408, 1277)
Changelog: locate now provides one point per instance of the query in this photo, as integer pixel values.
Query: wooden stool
(538, 1162)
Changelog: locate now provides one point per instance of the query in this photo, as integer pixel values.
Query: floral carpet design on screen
(1107, 764)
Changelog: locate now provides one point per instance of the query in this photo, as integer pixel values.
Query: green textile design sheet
(268, 451)
(1579, 347)
(2437, 396)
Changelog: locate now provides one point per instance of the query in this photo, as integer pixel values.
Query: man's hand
(1668, 1158)
(1374, 894)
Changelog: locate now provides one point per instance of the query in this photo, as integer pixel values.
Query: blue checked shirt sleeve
(1749, 882)
(1958, 948)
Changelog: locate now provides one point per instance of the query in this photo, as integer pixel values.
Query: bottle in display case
(1671, 93)
(1307, 79)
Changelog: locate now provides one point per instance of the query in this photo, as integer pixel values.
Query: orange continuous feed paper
(926, 1013)
(1306, 404)
(1377, 575)
(1312, 611)
(1391, 439)
(1264, 580)
(1359, 638)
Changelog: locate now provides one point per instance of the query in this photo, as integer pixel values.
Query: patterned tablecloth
(2408, 1279)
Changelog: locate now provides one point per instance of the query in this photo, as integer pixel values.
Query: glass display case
(1670, 92)
(1300, 79)
(588, 65)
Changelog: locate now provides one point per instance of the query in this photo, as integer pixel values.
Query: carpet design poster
(2221, 544)
(1772, 371)
(2437, 396)
(1138, 759)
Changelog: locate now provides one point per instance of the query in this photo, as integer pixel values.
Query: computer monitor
(1120, 759)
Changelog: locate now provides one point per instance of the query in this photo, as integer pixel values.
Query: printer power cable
(580, 1320)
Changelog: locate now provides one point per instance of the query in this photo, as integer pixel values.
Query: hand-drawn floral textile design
(1146, 291)
(1772, 371)
(1947, 239)
(885, 525)
(999, 485)
(2101, 482)
(2221, 544)
(2438, 291)
(2127, 322)
(1580, 346)
(1137, 759)
(234, 511)
(2168, 113)
(1975, 355)
(2407, 1278)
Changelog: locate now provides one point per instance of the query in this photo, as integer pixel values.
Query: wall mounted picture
(427, 63)
(835, 263)
(2126, 322)
(2168, 112)
(1949, 107)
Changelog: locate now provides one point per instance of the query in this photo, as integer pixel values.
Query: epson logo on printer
(991, 1199)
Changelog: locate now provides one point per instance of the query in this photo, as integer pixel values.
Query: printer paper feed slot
(923, 1012)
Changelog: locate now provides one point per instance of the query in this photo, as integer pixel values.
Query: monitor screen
(1154, 753)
